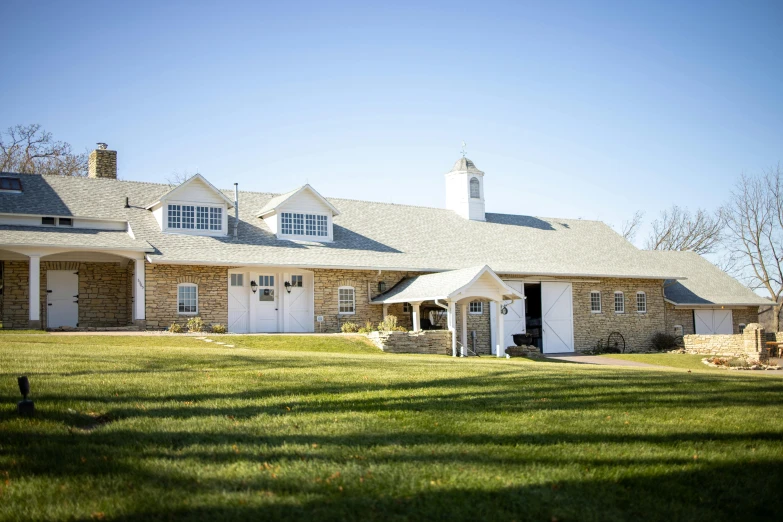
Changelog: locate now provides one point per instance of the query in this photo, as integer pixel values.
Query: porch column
(452, 327)
(415, 317)
(34, 290)
(463, 311)
(385, 311)
(139, 299)
(500, 342)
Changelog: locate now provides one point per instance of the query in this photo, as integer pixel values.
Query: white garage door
(713, 321)
(557, 317)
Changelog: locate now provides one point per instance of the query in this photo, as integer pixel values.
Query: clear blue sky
(573, 109)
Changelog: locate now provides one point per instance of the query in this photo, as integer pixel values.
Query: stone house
(98, 252)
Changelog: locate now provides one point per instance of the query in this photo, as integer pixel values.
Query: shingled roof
(367, 234)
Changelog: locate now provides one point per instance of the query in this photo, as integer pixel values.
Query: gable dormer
(193, 207)
(302, 214)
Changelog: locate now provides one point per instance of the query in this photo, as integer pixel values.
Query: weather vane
(464, 150)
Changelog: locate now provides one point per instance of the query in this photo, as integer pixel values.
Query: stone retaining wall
(749, 343)
(434, 342)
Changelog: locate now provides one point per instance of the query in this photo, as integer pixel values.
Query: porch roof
(475, 281)
(76, 238)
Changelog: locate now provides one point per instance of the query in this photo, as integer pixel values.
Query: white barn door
(238, 293)
(557, 317)
(62, 298)
(710, 322)
(514, 320)
(299, 303)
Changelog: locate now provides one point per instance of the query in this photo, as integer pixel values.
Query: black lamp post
(25, 406)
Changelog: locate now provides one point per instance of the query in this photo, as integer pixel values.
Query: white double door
(62, 298)
(714, 321)
(557, 317)
(270, 301)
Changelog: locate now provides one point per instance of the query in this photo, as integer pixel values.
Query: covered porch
(452, 292)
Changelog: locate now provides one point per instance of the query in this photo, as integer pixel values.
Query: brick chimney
(102, 163)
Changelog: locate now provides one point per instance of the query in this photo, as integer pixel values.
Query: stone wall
(749, 343)
(434, 342)
(481, 324)
(161, 293)
(15, 311)
(326, 283)
(684, 318)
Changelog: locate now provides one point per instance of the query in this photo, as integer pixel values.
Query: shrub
(663, 341)
(367, 328)
(389, 324)
(349, 328)
(611, 349)
(400, 329)
(195, 324)
(219, 329)
(176, 328)
(738, 362)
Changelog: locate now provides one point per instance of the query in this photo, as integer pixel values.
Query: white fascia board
(280, 203)
(187, 182)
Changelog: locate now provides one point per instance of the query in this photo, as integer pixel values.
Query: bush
(367, 328)
(611, 349)
(389, 324)
(219, 329)
(349, 328)
(663, 341)
(176, 328)
(195, 324)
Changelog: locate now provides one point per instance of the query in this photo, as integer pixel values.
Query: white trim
(290, 195)
(616, 293)
(187, 285)
(353, 292)
(480, 310)
(637, 302)
(600, 302)
(165, 197)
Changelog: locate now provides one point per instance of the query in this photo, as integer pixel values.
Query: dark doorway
(533, 313)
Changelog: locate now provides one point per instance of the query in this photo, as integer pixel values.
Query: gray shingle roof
(80, 238)
(366, 234)
(705, 284)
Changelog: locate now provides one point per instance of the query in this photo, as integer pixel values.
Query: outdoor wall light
(25, 406)
(288, 286)
(381, 287)
(254, 286)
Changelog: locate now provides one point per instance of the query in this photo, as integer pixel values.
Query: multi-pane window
(346, 300)
(406, 308)
(195, 217)
(296, 281)
(619, 303)
(237, 279)
(641, 302)
(293, 224)
(266, 290)
(595, 302)
(476, 307)
(187, 298)
(475, 188)
(266, 280)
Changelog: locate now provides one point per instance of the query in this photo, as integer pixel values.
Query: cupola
(465, 190)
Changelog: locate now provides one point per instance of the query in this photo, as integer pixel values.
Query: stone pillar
(415, 316)
(463, 311)
(500, 341)
(139, 298)
(34, 292)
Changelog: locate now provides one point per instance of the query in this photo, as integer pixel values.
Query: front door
(266, 304)
(238, 292)
(62, 298)
(514, 320)
(557, 317)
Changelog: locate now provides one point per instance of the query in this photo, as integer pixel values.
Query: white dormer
(301, 214)
(465, 190)
(194, 207)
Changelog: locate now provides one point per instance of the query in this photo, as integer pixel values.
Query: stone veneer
(478, 322)
(14, 312)
(161, 293)
(751, 342)
(434, 342)
(684, 317)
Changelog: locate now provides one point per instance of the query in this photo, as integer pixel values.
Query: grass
(327, 428)
(673, 360)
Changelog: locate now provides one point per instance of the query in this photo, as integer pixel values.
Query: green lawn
(674, 360)
(328, 428)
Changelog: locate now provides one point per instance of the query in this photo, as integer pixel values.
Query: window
(406, 308)
(266, 288)
(619, 303)
(741, 327)
(314, 225)
(47, 221)
(11, 184)
(237, 279)
(476, 307)
(187, 298)
(641, 302)
(475, 188)
(296, 281)
(65, 222)
(595, 302)
(346, 300)
(195, 217)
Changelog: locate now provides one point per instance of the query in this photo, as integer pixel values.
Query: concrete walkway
(594, 359)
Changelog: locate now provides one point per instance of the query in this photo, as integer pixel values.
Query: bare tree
(754, 219)
(28, 149)
(178, 178)
(631, 226)
(678, 229)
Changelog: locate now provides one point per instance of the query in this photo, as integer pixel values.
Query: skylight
(10, 184)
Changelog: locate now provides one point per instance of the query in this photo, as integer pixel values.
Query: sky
(589, 110)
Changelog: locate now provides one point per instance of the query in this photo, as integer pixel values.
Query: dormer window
(312, 225)
(195, 217)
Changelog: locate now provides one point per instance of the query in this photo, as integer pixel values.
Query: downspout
(236, 210)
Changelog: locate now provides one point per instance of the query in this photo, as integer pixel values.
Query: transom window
(595, 302)
(237, 279)
(187, 298)
(296, 281)
(641, 302)
(314, 225)
(476, 307)
(346, 300)
(195, 217)
(475, 188)
(619, 303)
